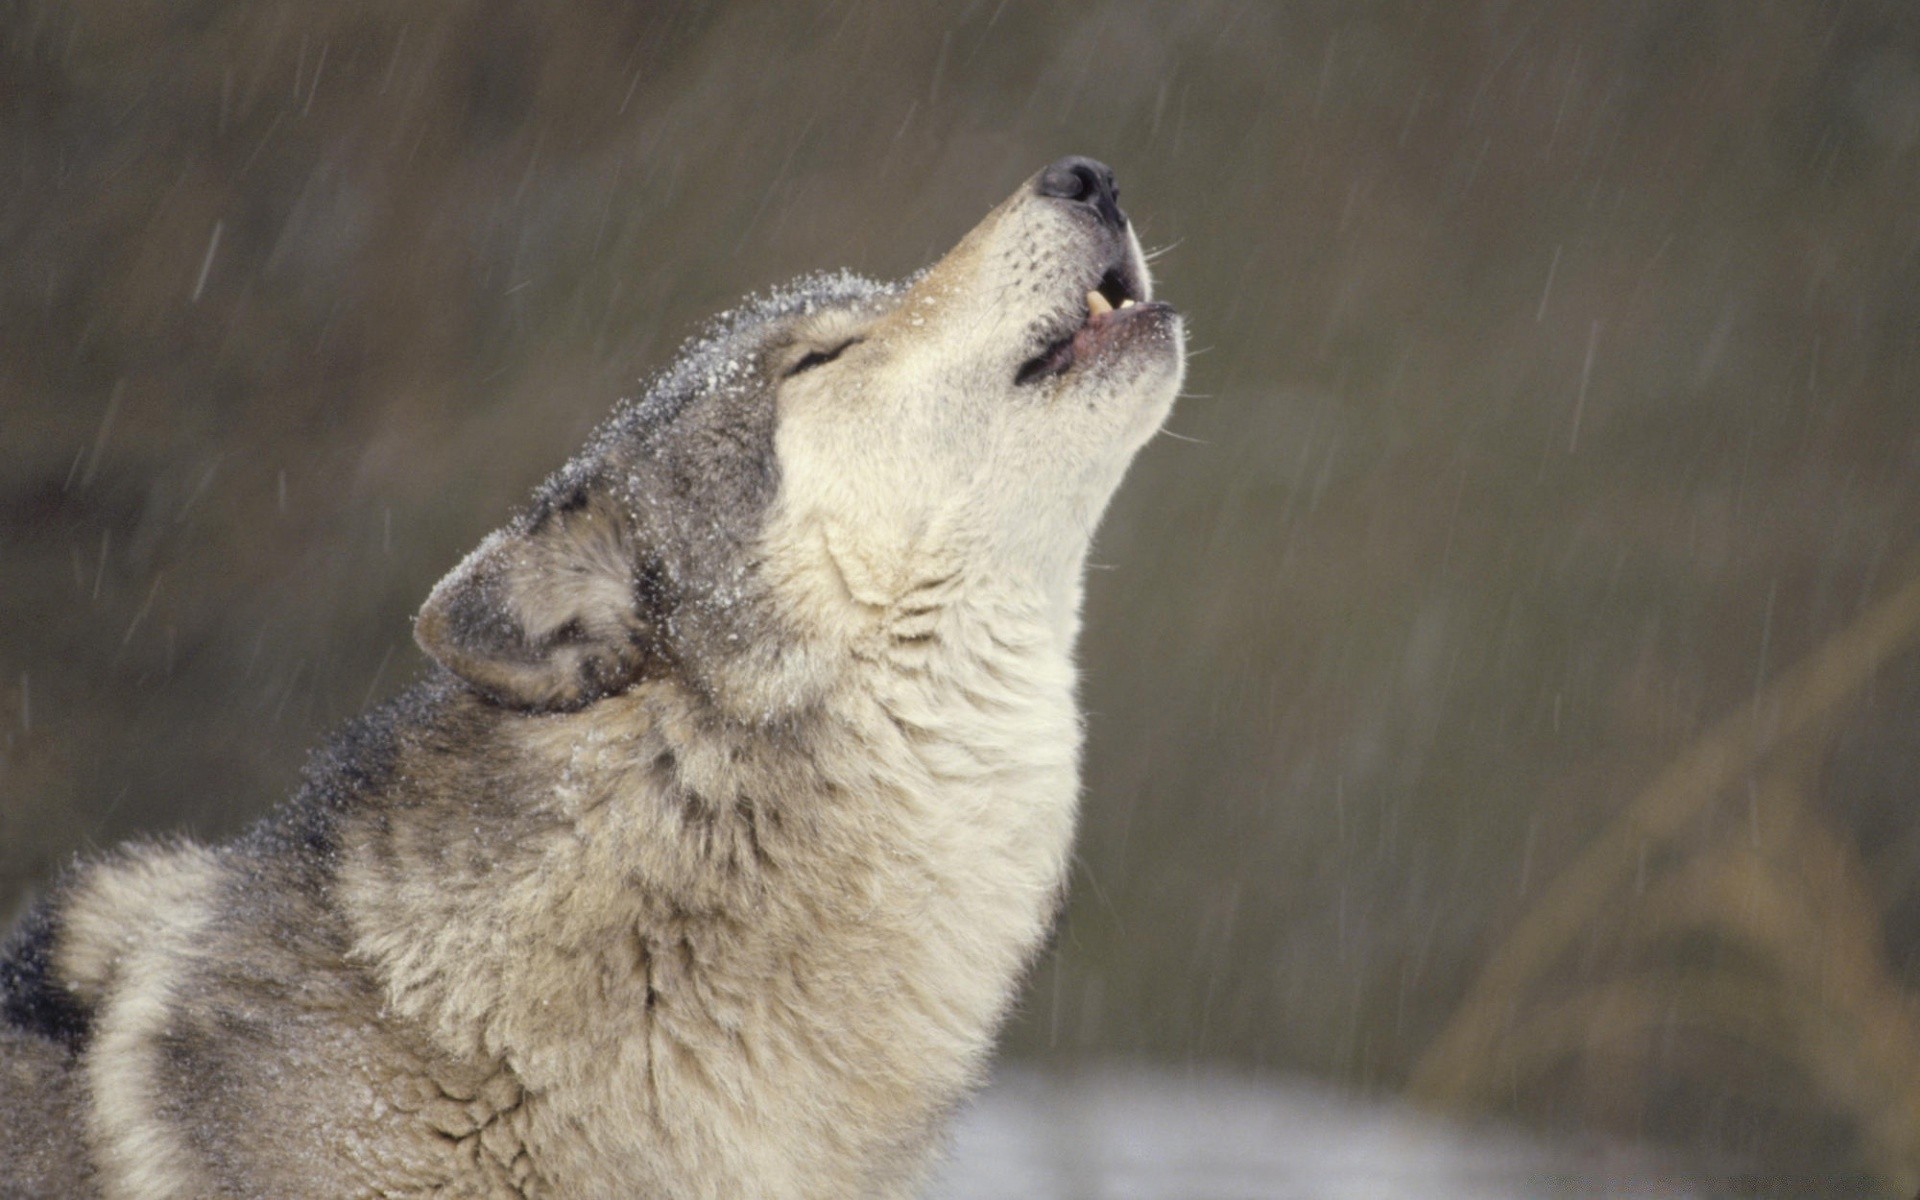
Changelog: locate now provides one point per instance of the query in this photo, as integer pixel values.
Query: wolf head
(827, 457)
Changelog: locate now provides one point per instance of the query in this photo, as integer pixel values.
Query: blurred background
(1504, 691)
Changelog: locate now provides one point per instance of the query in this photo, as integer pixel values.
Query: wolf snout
(1078, 180)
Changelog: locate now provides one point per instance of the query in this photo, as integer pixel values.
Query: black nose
(1084, 181)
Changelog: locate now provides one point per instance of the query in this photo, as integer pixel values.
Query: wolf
(705, 858)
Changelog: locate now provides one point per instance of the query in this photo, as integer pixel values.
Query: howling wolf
(706, 857)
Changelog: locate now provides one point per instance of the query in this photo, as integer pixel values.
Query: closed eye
(815, 358)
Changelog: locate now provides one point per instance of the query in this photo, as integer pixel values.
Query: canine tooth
(1097, 304)
(1126, 304)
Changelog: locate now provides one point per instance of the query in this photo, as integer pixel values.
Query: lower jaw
(1092, 338)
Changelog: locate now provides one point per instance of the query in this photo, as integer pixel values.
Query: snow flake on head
(721, 360)
(722, 356)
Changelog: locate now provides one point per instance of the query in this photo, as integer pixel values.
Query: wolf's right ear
(549, 617)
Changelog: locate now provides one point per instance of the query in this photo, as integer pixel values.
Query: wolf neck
(867, 877)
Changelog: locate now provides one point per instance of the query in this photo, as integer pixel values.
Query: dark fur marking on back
(30, 999)
(349, 768)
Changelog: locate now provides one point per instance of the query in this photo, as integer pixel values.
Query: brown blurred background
(1506, 687)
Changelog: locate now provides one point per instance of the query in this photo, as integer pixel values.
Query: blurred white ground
(1123, 1133)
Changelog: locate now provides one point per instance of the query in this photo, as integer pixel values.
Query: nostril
(1070, 181)
(1084, 181)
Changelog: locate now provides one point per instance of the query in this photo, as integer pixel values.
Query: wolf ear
(547, 615)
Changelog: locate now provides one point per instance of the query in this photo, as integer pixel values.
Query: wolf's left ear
(547, 616)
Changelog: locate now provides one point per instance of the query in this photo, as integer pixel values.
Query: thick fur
(705, 861)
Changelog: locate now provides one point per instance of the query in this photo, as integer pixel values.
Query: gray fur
(705, 860)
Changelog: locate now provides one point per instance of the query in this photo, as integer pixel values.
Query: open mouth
(1110, 306)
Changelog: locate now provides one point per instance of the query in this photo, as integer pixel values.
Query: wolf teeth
(1097, 305)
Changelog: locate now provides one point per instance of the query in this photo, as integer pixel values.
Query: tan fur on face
(934, 462)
